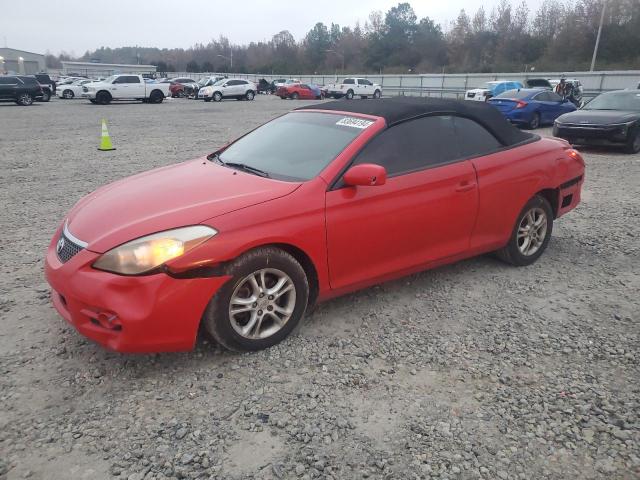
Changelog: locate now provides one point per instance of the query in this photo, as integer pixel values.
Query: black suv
(20, 89)
(48, 86)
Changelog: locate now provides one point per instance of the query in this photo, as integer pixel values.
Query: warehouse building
(93, 69)
(21, 62)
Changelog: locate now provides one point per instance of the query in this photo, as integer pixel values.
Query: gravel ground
(474, 370)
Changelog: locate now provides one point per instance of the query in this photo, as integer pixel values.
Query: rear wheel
(633, 143)
(531, 233)
(261, 304)
(156, 97)
(24, 99)
(68, 94)
(46, 96)
(535, 121)
(295, 96)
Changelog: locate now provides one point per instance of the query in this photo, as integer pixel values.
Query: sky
(75, 26)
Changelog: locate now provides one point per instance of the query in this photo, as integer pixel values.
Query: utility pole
(595, 48)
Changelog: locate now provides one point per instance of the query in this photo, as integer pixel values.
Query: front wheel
(103, 98)
(376, 94)
(68, 94)
(46, 96)
(250, 95)
(261, 304)
(295, 96)
(349, 95)
(530, 235)
(217, 97)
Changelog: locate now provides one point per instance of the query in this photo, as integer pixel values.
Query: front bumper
(592, 135)
(89, 94)
(143, 314)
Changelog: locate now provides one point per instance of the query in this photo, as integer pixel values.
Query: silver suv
(228, 88)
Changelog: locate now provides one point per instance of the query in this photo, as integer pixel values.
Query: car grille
(66, 249)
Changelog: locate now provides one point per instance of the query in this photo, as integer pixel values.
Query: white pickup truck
(351, 87)
(125, 87)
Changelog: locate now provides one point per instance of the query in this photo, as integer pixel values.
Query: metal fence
(452, 85)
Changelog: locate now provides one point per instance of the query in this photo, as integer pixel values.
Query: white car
(72, 90)
(352, 87)
(125, 87)
(228, 88)
(491, 89)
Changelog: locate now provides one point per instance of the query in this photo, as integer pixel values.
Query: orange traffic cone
(105, 141)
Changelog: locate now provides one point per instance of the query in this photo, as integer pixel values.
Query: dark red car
(314, 204)
(177, 86)
(300, 91)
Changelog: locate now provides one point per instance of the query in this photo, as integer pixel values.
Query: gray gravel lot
(474, 370)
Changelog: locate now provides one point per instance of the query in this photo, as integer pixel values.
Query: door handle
(465, 186)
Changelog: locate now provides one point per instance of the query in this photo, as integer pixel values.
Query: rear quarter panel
(508, 179)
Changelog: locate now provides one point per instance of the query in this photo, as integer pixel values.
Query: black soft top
(399, 109)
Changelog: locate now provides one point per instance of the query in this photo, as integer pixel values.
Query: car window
(554, 97)
(517, 94)
(296, 146)
(133, 79)
(413, 145)
(473, 139)
(8, 80)
(543, 97)
(363, 81)
(349, 81)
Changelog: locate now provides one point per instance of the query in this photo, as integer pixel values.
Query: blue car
(531, 107)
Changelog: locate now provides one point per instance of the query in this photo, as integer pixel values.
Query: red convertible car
(300, 91)
(318, 202)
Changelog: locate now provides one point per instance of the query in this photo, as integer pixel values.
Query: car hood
(599, 117)
(185, 194)
(479, 90)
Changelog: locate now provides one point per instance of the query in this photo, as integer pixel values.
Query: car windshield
(203, 81)
(220, 82)
(296, 146)
(629, 101)
(110, 79)
(489, 85)
(515, 94)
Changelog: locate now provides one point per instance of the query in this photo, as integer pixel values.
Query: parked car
(48, 86)
(531, 107)
(125, 87)
(21, 89)
(177, 90)
(263, 86)
(538, 83)
(191, 89)
(577, 88)
(72, 90)
(610, 119)
(228, 88)
(309, 206)
(352, 87)
(301, 91)
(491, 89)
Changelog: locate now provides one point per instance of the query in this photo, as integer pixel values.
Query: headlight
(147, 253)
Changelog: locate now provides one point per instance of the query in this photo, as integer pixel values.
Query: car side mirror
(366, 174)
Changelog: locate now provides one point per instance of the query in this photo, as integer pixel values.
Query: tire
(349, 95)
(68, 94)
(156, 97)
(523, 250)
(217, 97)
(295, 96)
(277, 266)
(250, 95)
(46, 96)
(363, 97)
(207, 99)
(103, 98)
(377, 94)
(93, 101)
(534, 122)
(25, 99)
(180, 94)
(633, 143)
(283, 98)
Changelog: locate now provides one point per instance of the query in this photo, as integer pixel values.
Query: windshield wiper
(240, 166)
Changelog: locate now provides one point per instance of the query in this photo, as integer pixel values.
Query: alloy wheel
(262, 303)
(532, 231)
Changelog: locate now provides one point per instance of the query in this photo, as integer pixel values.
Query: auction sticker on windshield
(354, 122)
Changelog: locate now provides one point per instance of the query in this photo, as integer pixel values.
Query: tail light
(521, 104)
